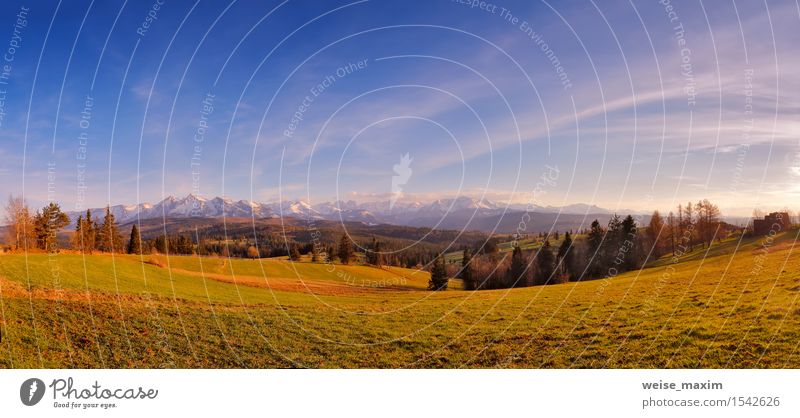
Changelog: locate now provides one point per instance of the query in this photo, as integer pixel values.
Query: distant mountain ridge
(457, 213)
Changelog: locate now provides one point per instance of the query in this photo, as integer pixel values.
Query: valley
(711, 308)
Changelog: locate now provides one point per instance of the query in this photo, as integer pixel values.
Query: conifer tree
(374, 253)
(108, 239)
(566, 256)
(345, 249)
(135, 242)
(594, 241)
(438, 280)
(466, 272)
(77, 237)
(160, 244)
(89, 230)
(628, 242)
(516, 273)
(545, 263)
(47, 224)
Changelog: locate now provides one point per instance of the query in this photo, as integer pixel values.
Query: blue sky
(484, 99)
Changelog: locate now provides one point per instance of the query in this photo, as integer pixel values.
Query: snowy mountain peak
(402, 213)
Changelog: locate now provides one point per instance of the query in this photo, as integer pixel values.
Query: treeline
(603, 251)
(34, 230)
(689, 226)
(623, 244)
(39, 230)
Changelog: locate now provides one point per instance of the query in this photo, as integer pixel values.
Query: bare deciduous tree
(19, 223)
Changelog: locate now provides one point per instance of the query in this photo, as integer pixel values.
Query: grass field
(733, 305)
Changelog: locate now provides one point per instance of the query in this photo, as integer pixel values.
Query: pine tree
(439, 278)
(345, 249)
(47, 224)
(135, 242)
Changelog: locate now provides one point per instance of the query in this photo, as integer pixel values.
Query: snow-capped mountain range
(401, 213)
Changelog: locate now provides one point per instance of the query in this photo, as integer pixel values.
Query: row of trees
(39, 230)
(34, 230)
(104, 236)
(604, 251)
(689, 226)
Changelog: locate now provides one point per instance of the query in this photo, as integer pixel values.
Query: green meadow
(734, 305)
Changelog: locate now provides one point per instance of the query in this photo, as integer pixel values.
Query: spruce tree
(345, 249)
(628, 242)
(89, 230)
(438, 279)
(84, 236)
(109, 239)
(594, 241)
(135, 242)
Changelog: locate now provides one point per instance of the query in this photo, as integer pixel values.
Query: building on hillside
(775, 221)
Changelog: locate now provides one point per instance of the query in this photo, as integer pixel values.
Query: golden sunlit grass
(734, 305)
